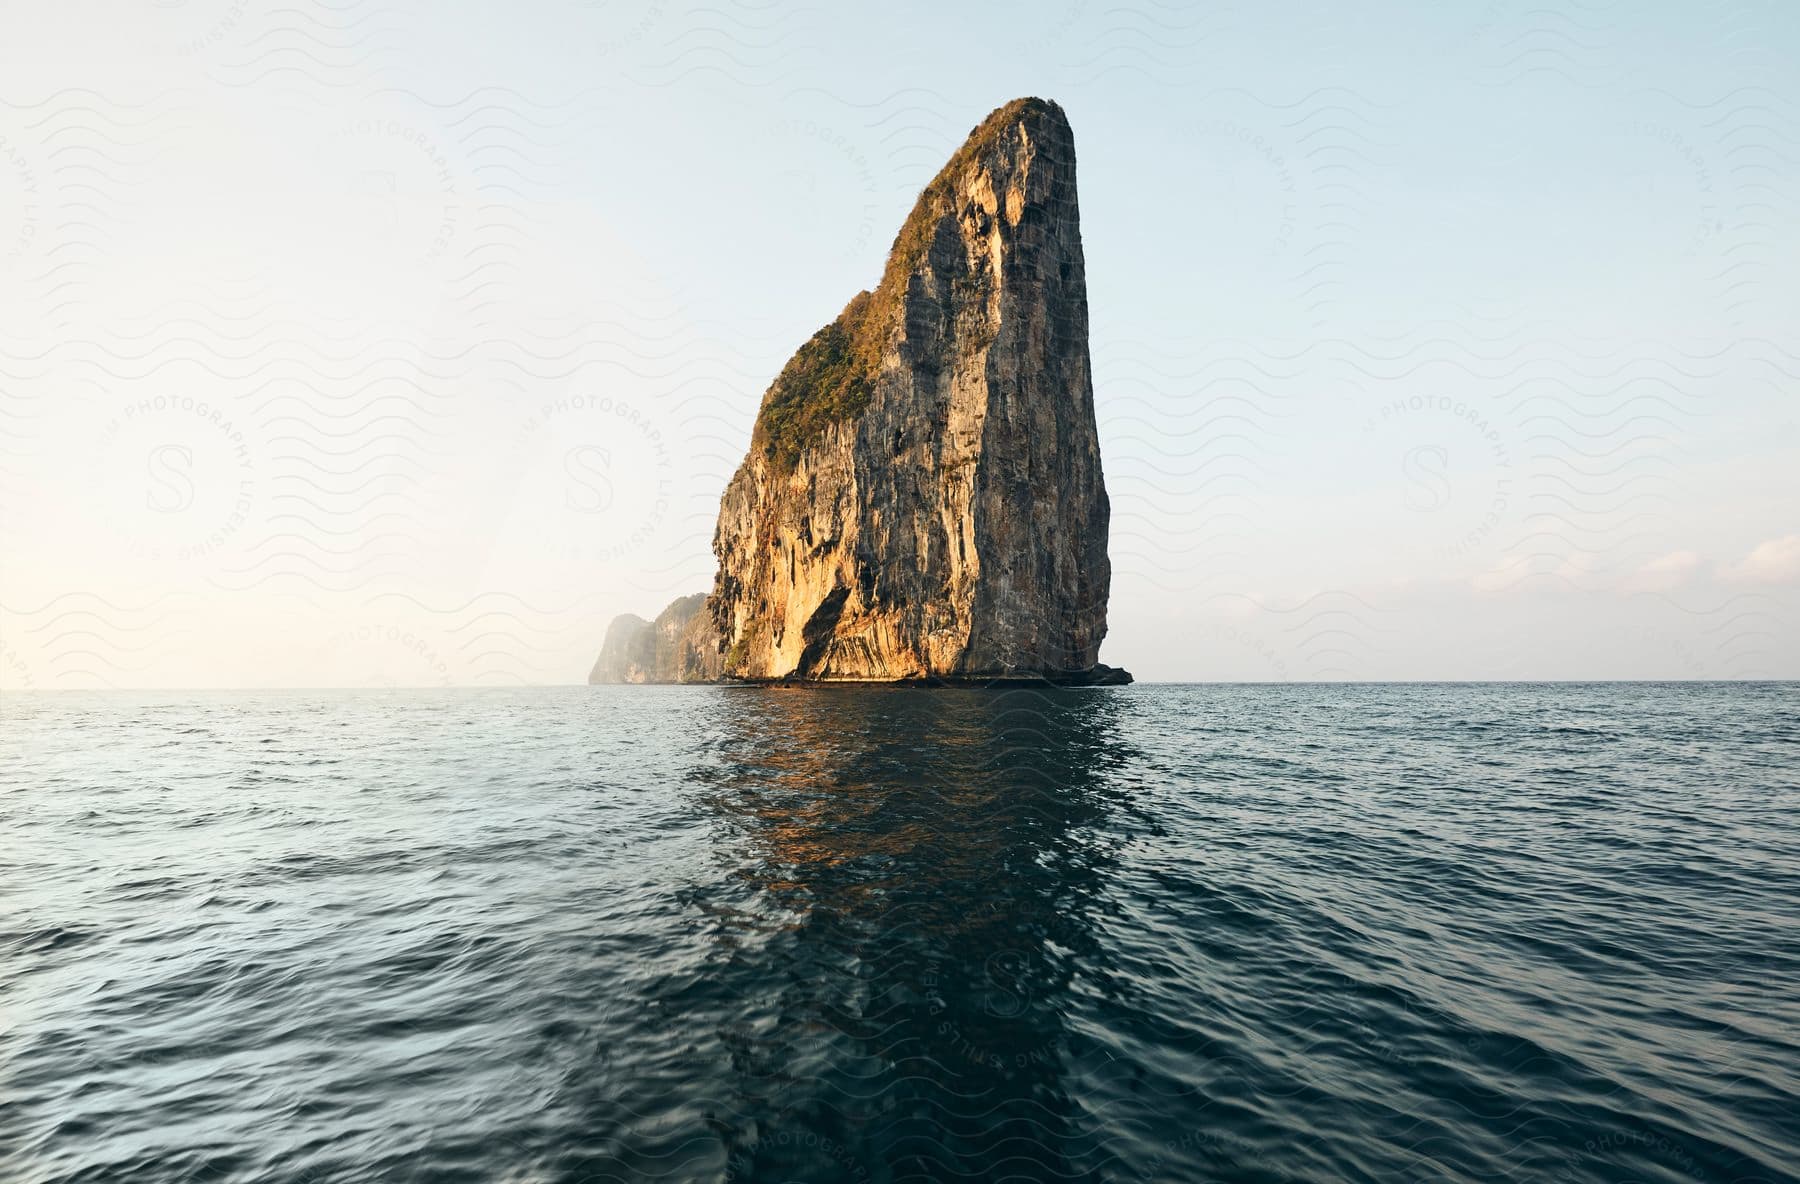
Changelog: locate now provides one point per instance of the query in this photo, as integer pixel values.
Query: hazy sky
(407, 343)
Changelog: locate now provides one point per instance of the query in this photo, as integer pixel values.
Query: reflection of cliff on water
(909, 879)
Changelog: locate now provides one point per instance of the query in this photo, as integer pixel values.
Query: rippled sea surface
(1376, 933)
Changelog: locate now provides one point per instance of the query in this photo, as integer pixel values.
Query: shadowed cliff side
(923, 496)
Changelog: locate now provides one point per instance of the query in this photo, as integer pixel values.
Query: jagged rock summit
(923, 497)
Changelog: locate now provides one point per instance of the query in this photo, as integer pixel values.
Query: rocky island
(923, 497)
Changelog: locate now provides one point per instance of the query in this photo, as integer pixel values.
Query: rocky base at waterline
(680, 646)
(922, 501)
(1098, 675)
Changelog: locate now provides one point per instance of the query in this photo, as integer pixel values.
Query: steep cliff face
(679, 646)
(923, 495)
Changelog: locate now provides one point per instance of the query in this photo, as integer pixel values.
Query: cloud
(1774, 562)
(1665, 572)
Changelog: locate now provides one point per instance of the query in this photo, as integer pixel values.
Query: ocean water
(1259, 933)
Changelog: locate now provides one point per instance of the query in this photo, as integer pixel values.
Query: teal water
(1257, 933)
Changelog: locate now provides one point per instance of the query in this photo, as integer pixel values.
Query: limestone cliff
(679, 646)
(923, 495)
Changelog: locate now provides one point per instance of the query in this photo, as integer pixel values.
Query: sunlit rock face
(949, 517)
(923, 496)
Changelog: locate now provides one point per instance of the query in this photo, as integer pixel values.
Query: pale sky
(407, 343)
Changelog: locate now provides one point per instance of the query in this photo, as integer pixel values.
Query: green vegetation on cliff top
(830, 378)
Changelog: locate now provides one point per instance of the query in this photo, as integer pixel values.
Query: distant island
(923, 497)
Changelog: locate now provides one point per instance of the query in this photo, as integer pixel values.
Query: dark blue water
(1374, 933)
